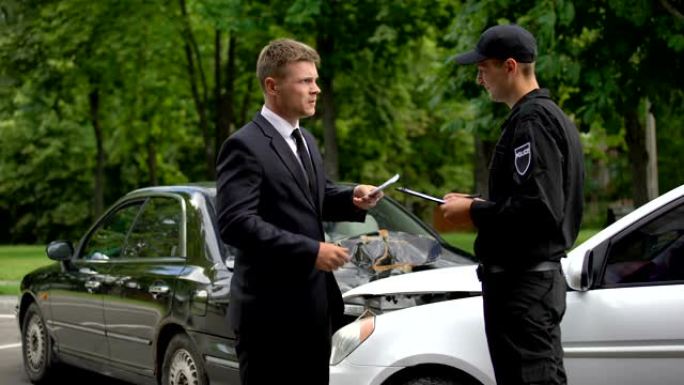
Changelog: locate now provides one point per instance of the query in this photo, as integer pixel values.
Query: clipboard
(421, 195)
(383, 186)
(430, 197)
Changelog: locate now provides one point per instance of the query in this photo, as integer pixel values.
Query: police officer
(532, 214)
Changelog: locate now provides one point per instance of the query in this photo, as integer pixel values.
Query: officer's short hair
(526, 69)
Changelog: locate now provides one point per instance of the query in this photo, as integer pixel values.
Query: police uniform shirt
(536, 178)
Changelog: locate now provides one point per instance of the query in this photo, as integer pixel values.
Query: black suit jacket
(265, 209)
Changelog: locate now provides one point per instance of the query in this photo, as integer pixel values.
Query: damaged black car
(143, 296)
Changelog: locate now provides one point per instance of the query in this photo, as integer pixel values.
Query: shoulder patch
(523, 156)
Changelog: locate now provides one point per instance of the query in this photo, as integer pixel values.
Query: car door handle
(158, 289)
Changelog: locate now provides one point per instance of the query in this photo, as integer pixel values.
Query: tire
(430, 380)
(36, 347)
(436, 379)
(183, 365)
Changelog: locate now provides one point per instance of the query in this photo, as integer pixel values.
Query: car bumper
(350, 374)
(220, 360)
(221, 371)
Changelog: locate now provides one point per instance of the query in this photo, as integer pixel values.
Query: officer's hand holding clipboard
(455, 208)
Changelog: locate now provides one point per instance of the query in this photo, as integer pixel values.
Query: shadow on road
(75, 376)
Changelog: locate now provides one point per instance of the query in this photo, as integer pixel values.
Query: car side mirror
(587, 274)
(59, 250)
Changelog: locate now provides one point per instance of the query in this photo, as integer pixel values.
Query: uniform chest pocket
(498, 160)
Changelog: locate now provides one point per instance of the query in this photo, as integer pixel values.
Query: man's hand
(331, 257)
(456, 210)
(363, 199)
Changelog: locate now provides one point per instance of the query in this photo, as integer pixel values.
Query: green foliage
(670, 140)
(466, 240)
(400, 104)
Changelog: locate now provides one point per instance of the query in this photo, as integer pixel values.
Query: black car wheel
(432, 380)
(439, 378)
(182, 363)
(36, 346)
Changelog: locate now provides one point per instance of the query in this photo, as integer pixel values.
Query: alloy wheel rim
(183, 369)
(34, 342)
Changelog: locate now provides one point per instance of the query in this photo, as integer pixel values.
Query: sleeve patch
(523, 155)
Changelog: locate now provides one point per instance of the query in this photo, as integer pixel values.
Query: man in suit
(272, 197)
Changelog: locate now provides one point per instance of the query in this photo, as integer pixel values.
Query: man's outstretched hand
(363, 198)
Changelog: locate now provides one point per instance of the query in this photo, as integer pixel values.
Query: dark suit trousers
(283, 355)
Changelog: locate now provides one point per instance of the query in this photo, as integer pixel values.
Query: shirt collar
(535, 93)
(281, 125)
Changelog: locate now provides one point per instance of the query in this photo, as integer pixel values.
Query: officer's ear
(510, 65)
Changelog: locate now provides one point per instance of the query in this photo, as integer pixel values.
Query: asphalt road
(11, 369)
(11, 364)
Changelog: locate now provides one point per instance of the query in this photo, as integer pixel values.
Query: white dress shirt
(285, 129)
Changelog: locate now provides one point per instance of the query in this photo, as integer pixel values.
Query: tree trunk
(635, 137)
(192, 52)
(152, 163)
(326, 50)
(330, 130)
(230, 85)
(246, 100)
(225, 110)
(219, 118)
(94, 101)
(652, 151)
(483, 154)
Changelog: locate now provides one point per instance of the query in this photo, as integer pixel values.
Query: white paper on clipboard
(421, 195)
(383, 186)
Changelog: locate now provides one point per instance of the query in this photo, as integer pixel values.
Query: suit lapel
(286, 155)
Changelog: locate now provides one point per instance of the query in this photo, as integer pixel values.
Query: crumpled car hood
(445, 280)
(378, 256)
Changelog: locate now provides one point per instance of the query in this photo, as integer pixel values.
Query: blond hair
(278, 54)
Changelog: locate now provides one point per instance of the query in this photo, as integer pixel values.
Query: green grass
(9, 289)
(16, 261)
(585, 234)
(465, 240)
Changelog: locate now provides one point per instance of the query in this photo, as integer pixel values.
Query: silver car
(624, 323)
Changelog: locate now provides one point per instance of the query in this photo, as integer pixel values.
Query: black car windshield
(387, 215)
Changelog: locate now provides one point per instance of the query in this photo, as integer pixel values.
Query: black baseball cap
(502, 42)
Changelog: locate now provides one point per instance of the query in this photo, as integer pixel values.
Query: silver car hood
(444, 280)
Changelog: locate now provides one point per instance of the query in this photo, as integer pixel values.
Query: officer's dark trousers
(522, 312)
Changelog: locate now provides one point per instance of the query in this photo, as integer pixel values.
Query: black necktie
(306, 161)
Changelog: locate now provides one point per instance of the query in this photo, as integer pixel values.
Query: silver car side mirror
(587, 274)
